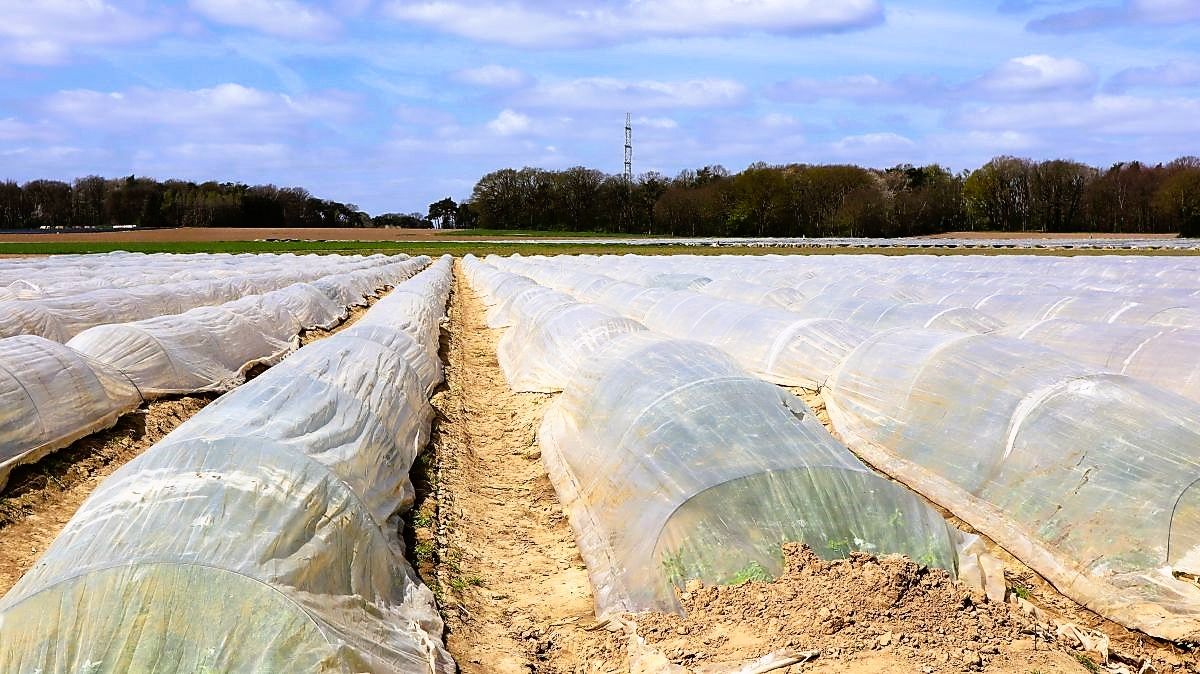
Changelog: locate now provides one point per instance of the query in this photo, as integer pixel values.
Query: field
(491, 531)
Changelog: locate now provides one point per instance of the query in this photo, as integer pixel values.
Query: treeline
(1007, 194)
(142, 202)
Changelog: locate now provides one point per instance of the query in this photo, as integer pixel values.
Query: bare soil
(496, 546)
(41, 497)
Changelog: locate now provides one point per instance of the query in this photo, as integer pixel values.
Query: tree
(1178, 198)
(14, 208)
(443, 213)
(997, 195)
(1056, 190)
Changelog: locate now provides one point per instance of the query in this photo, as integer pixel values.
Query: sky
(395, 104)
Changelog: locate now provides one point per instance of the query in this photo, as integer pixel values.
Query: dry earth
(513, 588)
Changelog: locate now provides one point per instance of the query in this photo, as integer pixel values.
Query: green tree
(443, 213)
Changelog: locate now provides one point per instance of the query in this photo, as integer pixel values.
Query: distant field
(461, 242)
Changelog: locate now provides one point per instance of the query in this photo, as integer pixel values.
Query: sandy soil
(513, 588)
(39, 498)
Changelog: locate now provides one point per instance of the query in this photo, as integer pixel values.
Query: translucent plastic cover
(51, 395)
(107, 289)
(1085, 475)
(261, 535)
(676, 464)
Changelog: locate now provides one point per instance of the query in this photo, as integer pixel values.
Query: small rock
(885, 639)
(1022, 645)
(972, 659)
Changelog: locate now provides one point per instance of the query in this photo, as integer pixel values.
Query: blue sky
(393, 104)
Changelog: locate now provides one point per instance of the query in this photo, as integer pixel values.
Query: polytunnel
(51, 395)
(542, 355)
(259, 536)
(676, 464)
(1160, 355)
(780, 297)
(203, 349)
(1087, 476)
(779, 346)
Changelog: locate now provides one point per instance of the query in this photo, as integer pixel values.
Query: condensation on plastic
(675, 464)
(51, 395)
(261, 535)
(1087, 476)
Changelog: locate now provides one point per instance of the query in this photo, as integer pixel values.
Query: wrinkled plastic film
(260, 535)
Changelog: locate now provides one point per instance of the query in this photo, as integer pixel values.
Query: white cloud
(227, 112)
(15, 130)
(874, 144)
(1173, 74)
(510, 123)
(1096, 17)
(532, 24)
(1038, 74)
(492, 76)
(780, 120)
(654, 123)
(1102, 115)
(286, 18)
(45, 32)
(613, 94)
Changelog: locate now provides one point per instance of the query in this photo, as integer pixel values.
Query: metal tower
(628, 148)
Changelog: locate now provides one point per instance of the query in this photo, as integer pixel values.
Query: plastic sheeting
(676, 464)
(1088, 477)
(777, 345)
(552, 334)
(1150, 353)
(66, 310)
(50, 396)
(204, 349)
(261, 535)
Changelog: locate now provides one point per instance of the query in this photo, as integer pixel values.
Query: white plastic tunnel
(259, 536)
(676, 464)
(1085, 475)
(51, 395)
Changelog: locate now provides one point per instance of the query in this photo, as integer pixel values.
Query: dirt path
(40, 498)
(513, 588)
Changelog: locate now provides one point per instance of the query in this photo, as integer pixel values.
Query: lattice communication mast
(628, 148)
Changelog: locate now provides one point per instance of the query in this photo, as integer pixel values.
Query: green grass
(424, 551)
(461, 584)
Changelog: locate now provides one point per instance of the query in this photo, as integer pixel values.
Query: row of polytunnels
(1051, 405)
